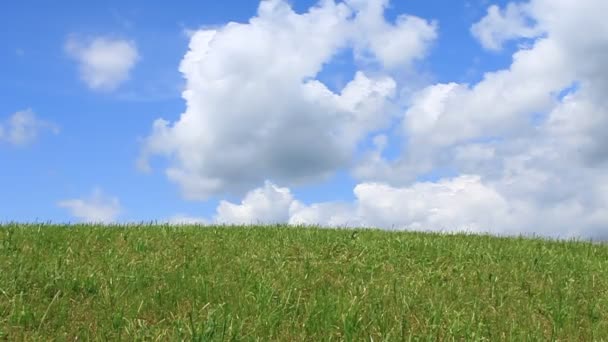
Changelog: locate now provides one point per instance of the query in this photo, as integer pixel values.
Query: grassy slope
(296, 284)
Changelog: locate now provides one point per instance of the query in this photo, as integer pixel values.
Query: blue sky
(88, 139)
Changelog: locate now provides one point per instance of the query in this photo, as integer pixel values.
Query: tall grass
(279, 283)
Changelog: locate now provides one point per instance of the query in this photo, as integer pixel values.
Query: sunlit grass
(282, 283)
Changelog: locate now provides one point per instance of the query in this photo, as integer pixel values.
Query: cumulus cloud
(521, 151)
(266, 205)
(255, 109)
(23, 127)
(394, 45)
(97, 208)
(104, 63)
(460, 204)
(531, 132)
(463, 203)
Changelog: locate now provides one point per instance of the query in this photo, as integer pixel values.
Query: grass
(279, 283)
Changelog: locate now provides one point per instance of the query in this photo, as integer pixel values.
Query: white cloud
(503, 101)
(394, 45)
(499, 26)
(543, 153)
(98, 208)
(267, 205)
(104, 63)
(463, 203)
(330, 214)
(24, 127)
(255, 110)
(521, 156)
(460, 204)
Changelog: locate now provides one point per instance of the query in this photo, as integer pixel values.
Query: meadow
(159, 282)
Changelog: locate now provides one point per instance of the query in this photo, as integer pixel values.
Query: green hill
(282, 283)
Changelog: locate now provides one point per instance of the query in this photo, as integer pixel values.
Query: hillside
(282, 283)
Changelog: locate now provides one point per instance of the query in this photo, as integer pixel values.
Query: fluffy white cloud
(507, 104)
(98, 208)
(394, 45)
(499, 26)
(23, 127)
(525, 148)
(461, 204)
(544, 153)
(330, 214)
(266, 205)
(255, 110)
(503, 101)
(104, 63)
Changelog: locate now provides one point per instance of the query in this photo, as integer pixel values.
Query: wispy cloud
(104, 63)
(23, 127)
(97, 208)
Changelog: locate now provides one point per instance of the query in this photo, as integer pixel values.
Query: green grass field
(295, 284)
